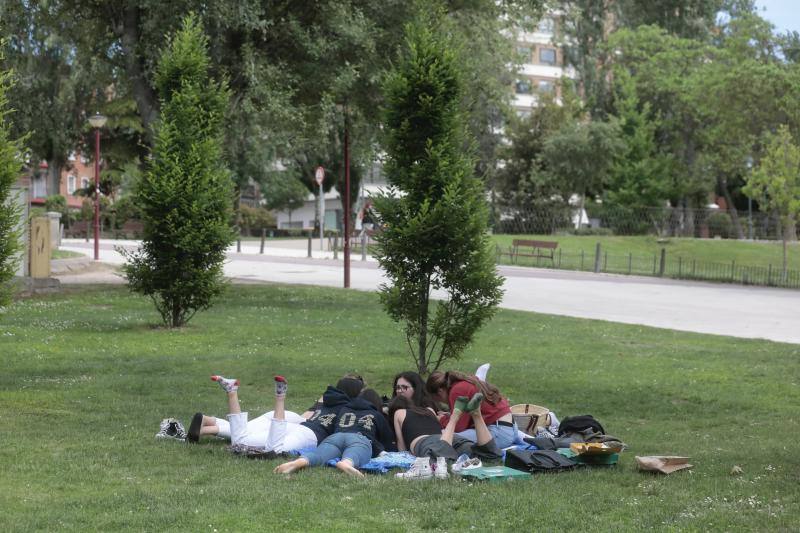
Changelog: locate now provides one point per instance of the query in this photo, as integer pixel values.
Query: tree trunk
(143, 94)
(784, 274)
(53, 179)
(734, 214)
(422, 360)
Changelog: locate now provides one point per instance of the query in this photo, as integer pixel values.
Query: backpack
(534, 461)
(576, 424)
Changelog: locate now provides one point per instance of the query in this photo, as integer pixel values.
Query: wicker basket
(528, 417)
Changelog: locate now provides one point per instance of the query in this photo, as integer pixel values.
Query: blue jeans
(504, 436)
(353, 446)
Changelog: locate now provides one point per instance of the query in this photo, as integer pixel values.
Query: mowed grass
(645, 247)
(87, 377)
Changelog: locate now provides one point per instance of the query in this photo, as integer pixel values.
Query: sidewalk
(733, 310)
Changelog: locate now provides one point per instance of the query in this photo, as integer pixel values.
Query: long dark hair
(437, 380)
(374, 398)
(401, 402)
(350, 386)
(420, 398)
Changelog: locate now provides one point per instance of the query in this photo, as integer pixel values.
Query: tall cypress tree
(186, 193)
(435, 213)
(10, 167)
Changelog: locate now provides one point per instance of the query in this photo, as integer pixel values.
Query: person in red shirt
(445, 387)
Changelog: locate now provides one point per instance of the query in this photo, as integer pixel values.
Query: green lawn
(745, 262)
(706, 250)
(87, 378)
(65, 254)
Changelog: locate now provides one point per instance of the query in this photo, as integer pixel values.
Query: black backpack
(534, 461)
(576, 424)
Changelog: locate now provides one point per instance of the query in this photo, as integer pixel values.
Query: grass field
(65, 254)
(758, 263)
(705, 250)
(87, 376)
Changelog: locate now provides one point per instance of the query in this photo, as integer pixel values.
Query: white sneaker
(421, 469)
(440, 468)
(466, 464)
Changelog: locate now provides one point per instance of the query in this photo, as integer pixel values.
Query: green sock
(474, 402)
(461, 404)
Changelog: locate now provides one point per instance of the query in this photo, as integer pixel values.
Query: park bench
(528, 248)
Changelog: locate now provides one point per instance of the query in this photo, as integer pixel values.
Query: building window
(546, 25)
(525, 53)
(522, 87)
(545, 86)
(85, 182)
(39, 187)
(547, 56)
(71, 183)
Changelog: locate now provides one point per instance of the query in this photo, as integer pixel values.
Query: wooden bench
(527, 248)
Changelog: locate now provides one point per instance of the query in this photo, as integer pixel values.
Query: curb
(71, 265)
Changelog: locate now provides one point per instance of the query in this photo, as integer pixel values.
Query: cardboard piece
(666, 464)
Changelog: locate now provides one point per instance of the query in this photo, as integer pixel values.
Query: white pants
(257, 424)
(269, 434)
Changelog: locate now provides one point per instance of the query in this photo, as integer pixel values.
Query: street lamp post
(97, 121)
(346, 201)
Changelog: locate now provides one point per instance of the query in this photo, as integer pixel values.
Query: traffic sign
(319, 175)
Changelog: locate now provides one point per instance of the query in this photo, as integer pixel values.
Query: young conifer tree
(186, 194)
(434, 214)
(10, 167)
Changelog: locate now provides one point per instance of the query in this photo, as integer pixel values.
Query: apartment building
(542, 63)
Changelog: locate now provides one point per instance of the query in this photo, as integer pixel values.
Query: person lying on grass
(417, 430)
(361, 433)
(410, 386)
(211, 426)
(446, 387)
(277, 434)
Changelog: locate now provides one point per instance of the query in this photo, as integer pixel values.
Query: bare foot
(348, 468)
(291, 466)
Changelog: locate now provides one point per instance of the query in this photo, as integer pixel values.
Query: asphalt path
(723, 309)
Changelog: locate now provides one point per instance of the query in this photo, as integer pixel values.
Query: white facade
(542, 64)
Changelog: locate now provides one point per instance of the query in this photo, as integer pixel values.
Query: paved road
(738, 311)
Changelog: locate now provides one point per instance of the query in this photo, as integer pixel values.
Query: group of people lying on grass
(350, 422)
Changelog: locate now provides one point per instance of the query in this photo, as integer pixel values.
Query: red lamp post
(346, 201)
(97, 121)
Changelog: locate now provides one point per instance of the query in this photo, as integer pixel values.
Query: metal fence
(659, 264)
(661, 221)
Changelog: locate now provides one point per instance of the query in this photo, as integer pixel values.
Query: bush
(254, 219)
(126, 209)
(605, 232)
(186, 195)
(435, 233)
(720, 225)
(10, 167)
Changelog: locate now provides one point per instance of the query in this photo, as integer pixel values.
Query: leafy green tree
(53, 85)
(775, 184)
(284, 191)
(639, 176)
(186, 194)
(10, 168)
(582, 155)
(525, 188)
(683, 18)
(435, 214)
(665, 71)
